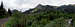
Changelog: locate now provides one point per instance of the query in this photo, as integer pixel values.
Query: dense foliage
(46, 16)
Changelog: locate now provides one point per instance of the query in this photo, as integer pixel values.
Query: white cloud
(33, 3)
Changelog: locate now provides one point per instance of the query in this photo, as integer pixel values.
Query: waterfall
(70, 23)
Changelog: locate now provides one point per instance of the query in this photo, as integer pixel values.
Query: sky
(26, 4)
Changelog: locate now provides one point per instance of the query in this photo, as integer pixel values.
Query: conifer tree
(2, 10)
(9, 12)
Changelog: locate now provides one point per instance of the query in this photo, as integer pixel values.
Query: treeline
(4, 13)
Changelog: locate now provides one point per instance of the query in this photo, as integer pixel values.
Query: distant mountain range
(64, 8)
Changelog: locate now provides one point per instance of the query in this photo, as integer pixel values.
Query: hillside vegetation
(44, 16)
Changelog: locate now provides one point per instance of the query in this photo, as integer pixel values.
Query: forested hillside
(44, 16)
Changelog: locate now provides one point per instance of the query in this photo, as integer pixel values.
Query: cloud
(34, 3)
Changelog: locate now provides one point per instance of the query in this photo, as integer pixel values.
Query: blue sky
(34, 3)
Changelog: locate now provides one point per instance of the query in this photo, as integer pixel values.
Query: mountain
(41, 8)
(45, 16)
(67, 8)
(50, 16)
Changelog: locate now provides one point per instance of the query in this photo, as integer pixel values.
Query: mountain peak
(39, 6)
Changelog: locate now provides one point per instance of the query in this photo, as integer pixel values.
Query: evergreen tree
(9, 12)
(2, 10)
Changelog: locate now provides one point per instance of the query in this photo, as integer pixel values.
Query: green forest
(40, 16)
